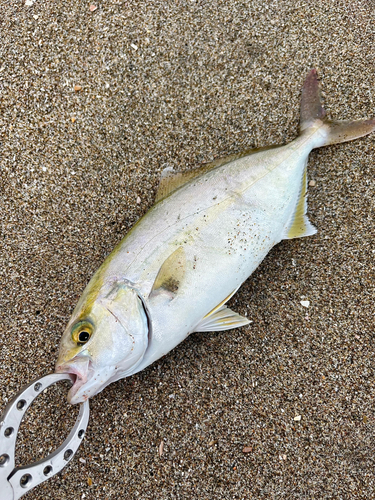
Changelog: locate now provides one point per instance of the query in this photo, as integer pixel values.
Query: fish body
(173, 272)
(226, 221)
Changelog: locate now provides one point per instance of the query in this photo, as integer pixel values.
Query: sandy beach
(94, 103)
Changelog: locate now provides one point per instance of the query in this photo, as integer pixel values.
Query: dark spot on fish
(171, 285)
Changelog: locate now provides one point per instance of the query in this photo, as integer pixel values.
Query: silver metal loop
(20, 480)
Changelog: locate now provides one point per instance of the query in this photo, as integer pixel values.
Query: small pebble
(305, 303)
(77, 88)
(247, 449)
(93, 7)
(297, 418)
(312, 183)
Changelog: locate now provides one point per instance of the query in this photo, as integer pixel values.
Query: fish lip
(81, 370)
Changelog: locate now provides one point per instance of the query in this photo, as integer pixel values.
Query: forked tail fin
(313, 115)
(325, 132)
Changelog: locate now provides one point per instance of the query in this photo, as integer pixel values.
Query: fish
(208, 230)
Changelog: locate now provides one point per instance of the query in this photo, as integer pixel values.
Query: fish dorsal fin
(299, 224)
(219, 162)
(222, 319)
(170, 274)
(171, 180)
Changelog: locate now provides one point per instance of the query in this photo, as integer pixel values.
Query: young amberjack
(207, 232)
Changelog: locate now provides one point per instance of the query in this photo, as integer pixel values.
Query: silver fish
(207, 232)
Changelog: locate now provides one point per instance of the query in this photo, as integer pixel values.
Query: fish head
(104, 340)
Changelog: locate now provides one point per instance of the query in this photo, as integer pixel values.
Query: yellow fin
(170, 274)
(299, 224)
(171, 179)
(222, 319)
(221, 303)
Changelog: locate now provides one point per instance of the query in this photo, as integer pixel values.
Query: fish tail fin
(313, 116)
(315, 124)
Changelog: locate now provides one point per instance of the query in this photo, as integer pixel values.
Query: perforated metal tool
(15, 482)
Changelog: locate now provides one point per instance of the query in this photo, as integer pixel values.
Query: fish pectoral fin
(220, 320)
(299, 224)
(170, 274)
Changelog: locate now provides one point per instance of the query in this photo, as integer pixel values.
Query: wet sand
(93, 105)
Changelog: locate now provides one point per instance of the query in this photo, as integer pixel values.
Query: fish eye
(83, 337)
(81, 332)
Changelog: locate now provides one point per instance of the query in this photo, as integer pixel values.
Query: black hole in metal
(47, 470)
(68, 454)
(81, 433)
(4, 459)
(21, 404)
(37, 387)
(8, 432)
(25, 480)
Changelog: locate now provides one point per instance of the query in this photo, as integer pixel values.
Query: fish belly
(226, 221)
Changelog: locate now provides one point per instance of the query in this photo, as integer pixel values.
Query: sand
(93, 105)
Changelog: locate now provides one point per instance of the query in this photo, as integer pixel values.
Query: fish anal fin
(170, 274)
(222, 319)
(299, 224)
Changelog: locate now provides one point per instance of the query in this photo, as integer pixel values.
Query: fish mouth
(82, 373)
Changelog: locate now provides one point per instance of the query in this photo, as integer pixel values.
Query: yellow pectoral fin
(222, 319)
(171, 274)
